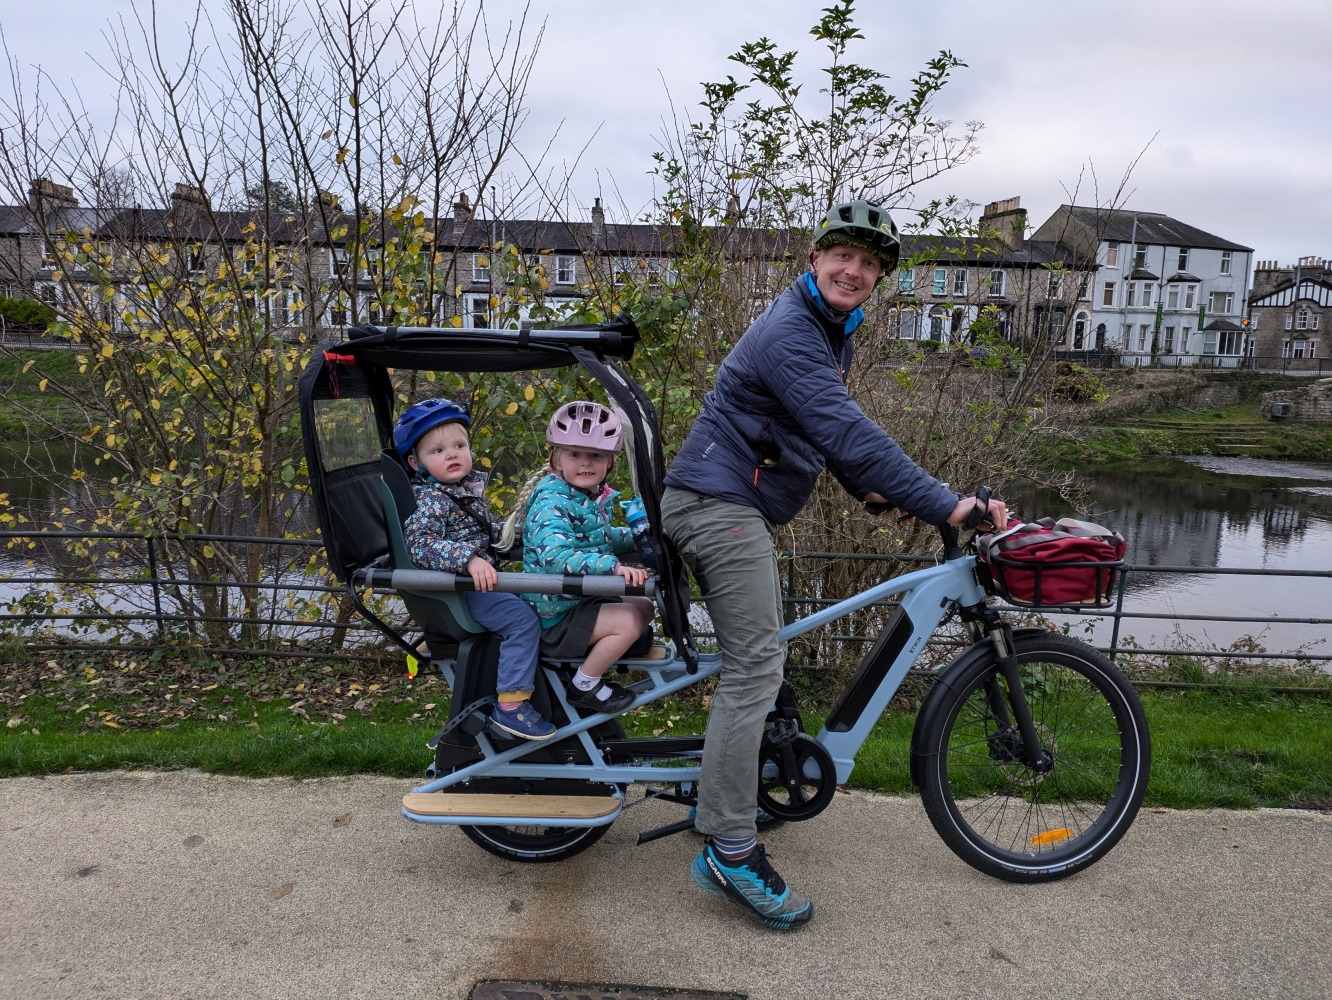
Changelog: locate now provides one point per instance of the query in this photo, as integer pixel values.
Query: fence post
(788, 605)
(157, 591)
(1119, 614)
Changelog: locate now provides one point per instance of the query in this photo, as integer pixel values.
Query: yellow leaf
(342, 154)
(511, 409)
(41, 386)
(351, 99)
(397, 159)
(326, 134)
(107, 350)
(529, 394)
(208, 552)
(110, 441)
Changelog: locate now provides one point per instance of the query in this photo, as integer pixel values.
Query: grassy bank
(1237, 430)
(1240, 746)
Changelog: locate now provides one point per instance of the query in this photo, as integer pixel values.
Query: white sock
(586, 682)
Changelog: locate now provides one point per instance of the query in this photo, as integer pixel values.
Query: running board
(493, 809)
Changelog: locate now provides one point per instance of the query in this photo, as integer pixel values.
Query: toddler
(452, 530)
(568, 530)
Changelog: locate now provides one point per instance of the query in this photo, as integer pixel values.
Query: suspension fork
(1000, 701)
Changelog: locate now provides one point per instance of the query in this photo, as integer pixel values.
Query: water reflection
(1209, 512)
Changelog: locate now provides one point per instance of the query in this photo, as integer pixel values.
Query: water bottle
(637, 518)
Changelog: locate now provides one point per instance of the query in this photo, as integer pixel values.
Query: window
(1184, 333)
(940, 281)
(1139, 255)
(1108, 294)
(1221, 303)
(480, 267)
(906, 280)
(661, 271)
(1055, 286)
(1190, 296)
(960, 281)
(341, 262)
(1172, 297)
(996, 284)
(1128, 336)
(1168, 346)
(1182, 261)
(1131, 294)
(622, 270)
(1290, 321)
(49, 256)
(1302, 319)
(1313, 348)
(1112, 255)
(337, 311)
(1142, 337)
(565, 269)
(1226, 256)
(194, 257)
(478, 312)
(1147, 289)
(1297, 348)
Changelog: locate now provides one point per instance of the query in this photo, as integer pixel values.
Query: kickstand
(665, 831)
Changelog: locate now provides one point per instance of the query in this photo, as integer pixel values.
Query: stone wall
(1310, 402)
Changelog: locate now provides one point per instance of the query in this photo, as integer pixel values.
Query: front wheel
(994, 809)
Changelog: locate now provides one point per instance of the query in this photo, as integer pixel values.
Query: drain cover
(511, 990)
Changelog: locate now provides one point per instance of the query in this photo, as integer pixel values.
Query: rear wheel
(539, 844)
(989, 804)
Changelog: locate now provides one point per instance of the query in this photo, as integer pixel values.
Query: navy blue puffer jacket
(780, 413)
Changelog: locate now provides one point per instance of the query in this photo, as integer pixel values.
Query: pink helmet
(584, 425)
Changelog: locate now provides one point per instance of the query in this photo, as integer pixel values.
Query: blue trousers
(519, 631)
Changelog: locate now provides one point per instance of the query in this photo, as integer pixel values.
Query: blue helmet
(423, 416)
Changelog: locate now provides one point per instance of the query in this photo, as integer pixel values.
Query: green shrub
(25, 313)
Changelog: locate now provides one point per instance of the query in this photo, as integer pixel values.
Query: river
(1210, 512)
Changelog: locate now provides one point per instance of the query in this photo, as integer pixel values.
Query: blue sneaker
(525, 722)
(753, 884)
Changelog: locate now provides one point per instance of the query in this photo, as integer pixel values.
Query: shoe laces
(758, 863)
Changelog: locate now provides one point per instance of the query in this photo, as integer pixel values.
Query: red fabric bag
(1049, 563)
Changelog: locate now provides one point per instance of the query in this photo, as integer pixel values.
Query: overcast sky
(1227, 101)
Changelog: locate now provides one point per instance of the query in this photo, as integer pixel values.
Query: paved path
(186, 885)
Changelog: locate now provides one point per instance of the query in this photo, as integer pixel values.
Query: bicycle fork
(1004, 692)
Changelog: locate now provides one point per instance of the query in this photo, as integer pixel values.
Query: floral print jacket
(451, 524)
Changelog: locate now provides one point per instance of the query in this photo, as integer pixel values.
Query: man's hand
(996, 515)
(482, 573)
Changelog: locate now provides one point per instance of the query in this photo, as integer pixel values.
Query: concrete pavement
(144, 885)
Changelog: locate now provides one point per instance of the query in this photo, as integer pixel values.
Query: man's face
(845, 275)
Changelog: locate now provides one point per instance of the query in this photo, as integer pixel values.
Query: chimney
(186, 196)
(598, 222)
(44, 195)
(462, 214)
(1007, 220)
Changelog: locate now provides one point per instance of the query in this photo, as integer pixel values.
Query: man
(778, 415)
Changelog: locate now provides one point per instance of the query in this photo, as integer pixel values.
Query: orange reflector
(1051, 836)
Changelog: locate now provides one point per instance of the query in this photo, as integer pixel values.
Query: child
(568, 530)
(451, 529)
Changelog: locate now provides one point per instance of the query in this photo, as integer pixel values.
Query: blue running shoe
(753, 884)
(524, 722)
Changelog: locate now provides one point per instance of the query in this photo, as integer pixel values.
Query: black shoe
(620, 698)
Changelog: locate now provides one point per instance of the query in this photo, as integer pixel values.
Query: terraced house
(1164, 292)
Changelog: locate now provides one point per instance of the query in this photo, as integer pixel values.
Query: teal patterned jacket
(567, 531)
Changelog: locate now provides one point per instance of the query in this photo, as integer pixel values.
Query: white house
(1164, 292)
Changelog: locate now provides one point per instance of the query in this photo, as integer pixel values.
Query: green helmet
(860, 224)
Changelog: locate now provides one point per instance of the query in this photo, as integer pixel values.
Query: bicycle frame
(927, 598)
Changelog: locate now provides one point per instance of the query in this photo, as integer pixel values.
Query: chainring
(797, 777)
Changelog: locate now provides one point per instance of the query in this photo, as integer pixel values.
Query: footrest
(522, 807)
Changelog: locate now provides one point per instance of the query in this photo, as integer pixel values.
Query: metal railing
(340, 634)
